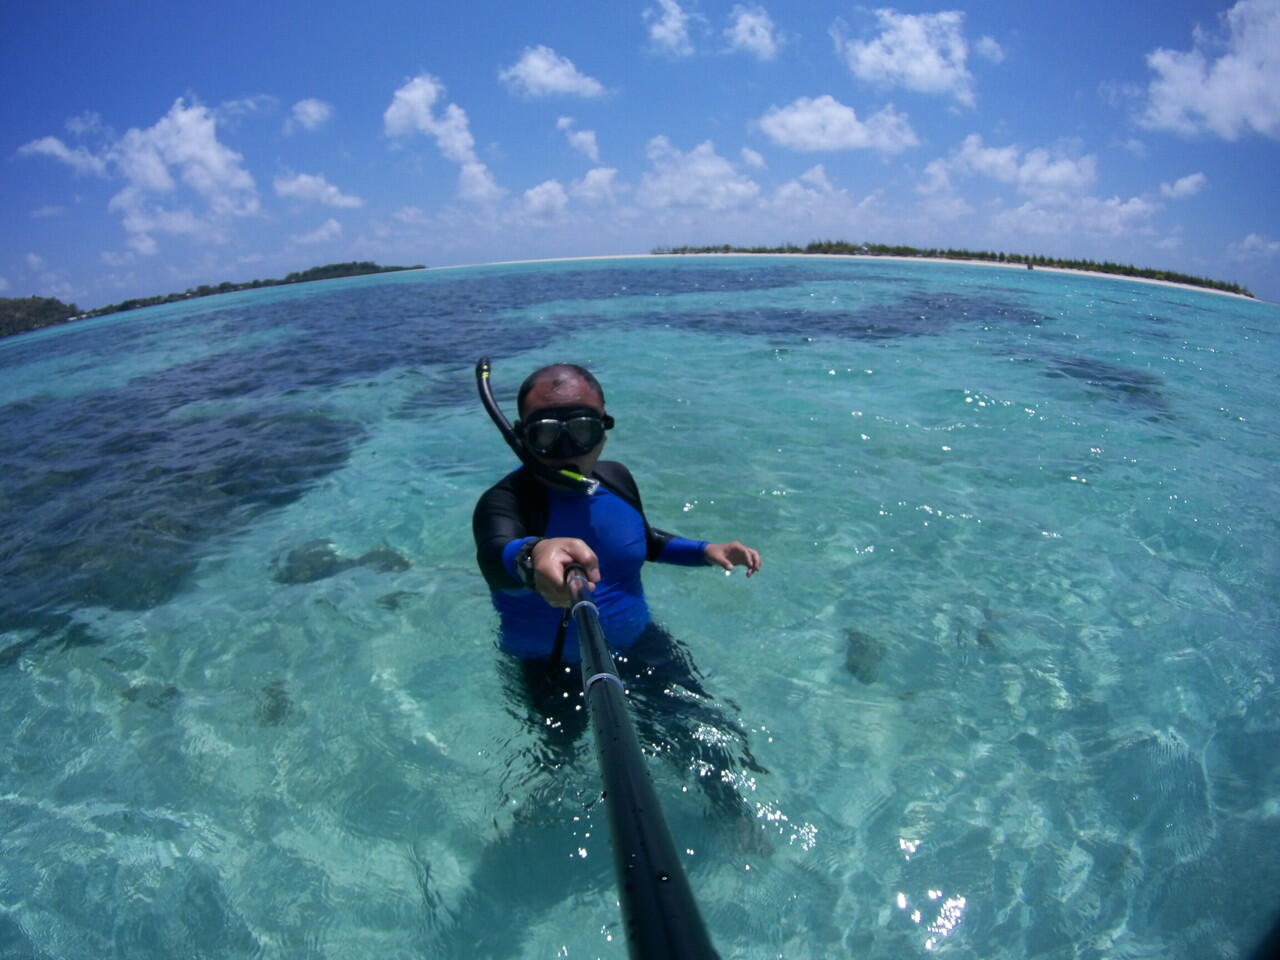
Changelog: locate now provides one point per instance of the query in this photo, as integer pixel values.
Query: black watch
(524, 561)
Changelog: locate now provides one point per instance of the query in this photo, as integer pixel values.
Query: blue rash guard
(611, 521)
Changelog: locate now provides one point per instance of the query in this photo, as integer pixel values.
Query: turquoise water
(1009, 668)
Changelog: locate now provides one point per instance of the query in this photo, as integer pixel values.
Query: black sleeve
(497, 521)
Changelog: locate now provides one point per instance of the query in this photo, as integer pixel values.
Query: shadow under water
(319, 559)
(1121, 384)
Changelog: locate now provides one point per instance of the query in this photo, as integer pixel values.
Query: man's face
(565, 392)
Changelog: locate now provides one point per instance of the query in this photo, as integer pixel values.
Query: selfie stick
(658, 910)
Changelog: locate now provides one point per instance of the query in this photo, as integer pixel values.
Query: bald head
(560, 383)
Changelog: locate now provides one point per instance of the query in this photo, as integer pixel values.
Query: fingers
(734, 554)
(552, 559)
(715, 554)
(582, 555)
(745, 556)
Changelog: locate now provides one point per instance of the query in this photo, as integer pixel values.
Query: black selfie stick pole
(658, 910)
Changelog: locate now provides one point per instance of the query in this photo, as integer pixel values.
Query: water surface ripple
(1007, 681)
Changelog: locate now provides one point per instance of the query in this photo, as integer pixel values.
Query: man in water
(528, 531)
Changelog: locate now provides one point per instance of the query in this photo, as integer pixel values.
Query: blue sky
(151, 146)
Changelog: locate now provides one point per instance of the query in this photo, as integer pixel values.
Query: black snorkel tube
(566, 479)
(659, 913)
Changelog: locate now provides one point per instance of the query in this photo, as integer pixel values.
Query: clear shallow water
(1010, 665)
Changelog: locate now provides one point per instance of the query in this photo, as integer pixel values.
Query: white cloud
(230, 111)
(453, 136)
(78, 158)
(545, 201)
(186, 140)
(34, 261)
(48, 210)
(410, 215)
(180, 150)
(823, 123)
(542, 72)
(314, 187)
(816, 178)
(1110, 217)
(751, 31)
(85, 124)
(4, 284)
(596, 186)
(989, 49)
(327, 231)
(1254, 247)
(699, 178)
(1039, 173)
(1055, 182)
(141, 220)
(941, 202)
(923, 52)
(669, 28)
(584, 141)
(810, 189)
(751, 159)
(112, 259)
(1229, 95)
(1116, 216)
(476, 184)
(308, 114)
(1186, 186)
(412, 111)
(1120, 96)
(937, 178)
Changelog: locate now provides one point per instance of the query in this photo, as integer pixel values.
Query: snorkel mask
(562, 432)
(557, 432)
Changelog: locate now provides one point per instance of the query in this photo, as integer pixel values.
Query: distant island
(842, 248)
(18, 315)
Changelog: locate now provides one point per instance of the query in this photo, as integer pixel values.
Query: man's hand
(730, 555)
(552, 557)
